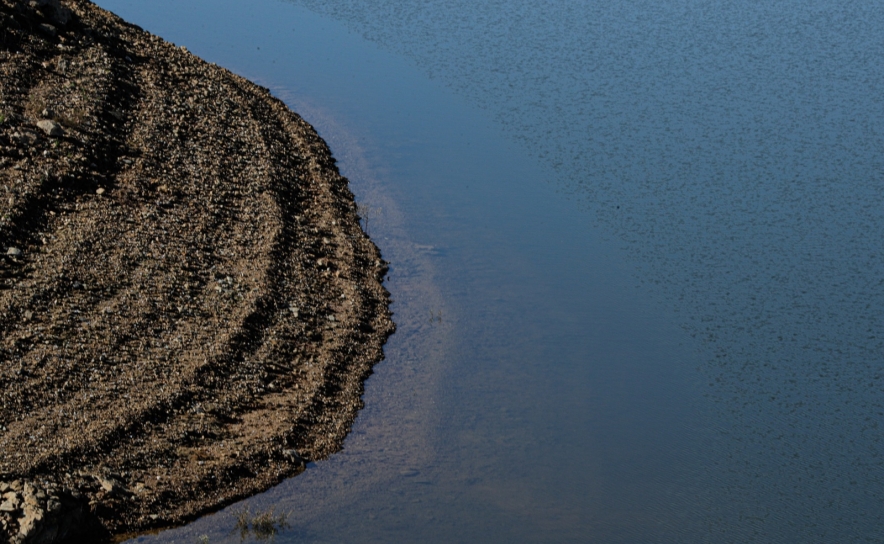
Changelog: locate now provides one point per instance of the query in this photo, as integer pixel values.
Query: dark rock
(48, 29)
(48, 516)
(54, 10)
(296, 457)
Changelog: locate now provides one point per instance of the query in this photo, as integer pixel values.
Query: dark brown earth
(188, 305)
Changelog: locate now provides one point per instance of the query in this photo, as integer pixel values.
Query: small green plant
(203, 539)
(2, 118)
(262, 525)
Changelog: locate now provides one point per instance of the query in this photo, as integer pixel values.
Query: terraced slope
(188, 305)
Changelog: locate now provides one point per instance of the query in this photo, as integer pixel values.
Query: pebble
(99, 191)
(13, 252)
(51, 128)
(48, 29)
(295, 456)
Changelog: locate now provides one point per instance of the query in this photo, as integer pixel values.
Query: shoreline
(189, 304)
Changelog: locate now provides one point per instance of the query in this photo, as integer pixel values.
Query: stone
(13, 252)
(110, 485)
(31, 500)
(48, 29)
(99, 191)
(53, 505)
(31, 494)
(51, 128)
(295, 456)
(48, 516)
(30, 522)
(106, 483)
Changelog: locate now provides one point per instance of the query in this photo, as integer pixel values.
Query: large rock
(34, 514)
(51, 128)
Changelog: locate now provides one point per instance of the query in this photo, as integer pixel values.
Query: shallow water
(636, 262)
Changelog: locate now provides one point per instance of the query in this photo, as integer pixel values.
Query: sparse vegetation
(367, 212)
(262, 525)
(74, 118)
(36, 102)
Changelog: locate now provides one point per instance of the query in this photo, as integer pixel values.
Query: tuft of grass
(264, 525)
(36, 103)
(73, 119)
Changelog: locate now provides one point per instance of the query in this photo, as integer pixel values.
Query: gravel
(165, 348)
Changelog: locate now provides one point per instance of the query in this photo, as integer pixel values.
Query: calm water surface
(637, 263)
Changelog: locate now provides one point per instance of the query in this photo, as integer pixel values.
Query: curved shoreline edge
(188, 304)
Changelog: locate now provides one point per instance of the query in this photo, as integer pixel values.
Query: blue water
(637, 262)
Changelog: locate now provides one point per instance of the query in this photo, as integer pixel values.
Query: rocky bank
(188, 305)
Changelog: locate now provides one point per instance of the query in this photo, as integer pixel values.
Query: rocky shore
(188, 305)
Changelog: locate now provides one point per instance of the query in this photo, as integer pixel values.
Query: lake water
(637, 263)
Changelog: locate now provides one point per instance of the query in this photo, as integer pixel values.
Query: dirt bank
(188, 306)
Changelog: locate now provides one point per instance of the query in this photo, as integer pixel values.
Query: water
(637, 263)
